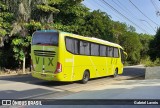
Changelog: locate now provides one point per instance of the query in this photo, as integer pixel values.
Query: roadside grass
(149, 63)
(129, 63)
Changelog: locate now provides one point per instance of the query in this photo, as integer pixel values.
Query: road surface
(27, 87)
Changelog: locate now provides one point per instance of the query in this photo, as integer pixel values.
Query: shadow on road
(133, 73)
(13, 94)
(31, 80)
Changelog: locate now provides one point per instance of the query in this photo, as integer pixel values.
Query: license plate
(43, 75)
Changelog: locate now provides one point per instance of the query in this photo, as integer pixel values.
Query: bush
(149, 63)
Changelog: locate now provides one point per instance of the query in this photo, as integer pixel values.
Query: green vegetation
(20, 18)
(148, 63)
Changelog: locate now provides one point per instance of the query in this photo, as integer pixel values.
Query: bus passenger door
(110, 60)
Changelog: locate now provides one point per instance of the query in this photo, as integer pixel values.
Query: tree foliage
(155, 46)
(69, 16)
(145, 41)
(6, 19)
(132, 46)
(98, 24)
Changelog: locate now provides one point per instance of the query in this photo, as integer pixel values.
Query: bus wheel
(115, 73)
(85, 77)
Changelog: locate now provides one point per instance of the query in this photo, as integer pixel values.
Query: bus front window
(122, 56)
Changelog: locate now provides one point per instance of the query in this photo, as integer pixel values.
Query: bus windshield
(45, 38)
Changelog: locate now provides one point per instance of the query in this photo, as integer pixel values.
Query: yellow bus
(61, 56)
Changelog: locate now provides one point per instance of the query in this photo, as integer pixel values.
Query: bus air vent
(44, 53)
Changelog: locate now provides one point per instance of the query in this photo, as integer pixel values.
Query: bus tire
(115, 73)
(86, 77)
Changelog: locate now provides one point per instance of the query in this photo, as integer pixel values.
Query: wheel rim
(86, 77)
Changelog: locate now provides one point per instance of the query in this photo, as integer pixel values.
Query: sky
(139, 13)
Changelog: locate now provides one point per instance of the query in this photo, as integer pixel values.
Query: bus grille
(44, 53)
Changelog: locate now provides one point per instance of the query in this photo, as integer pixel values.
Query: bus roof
(106, 42)
(92, 39)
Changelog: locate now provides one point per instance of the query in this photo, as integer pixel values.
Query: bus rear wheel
(115, 73)
(85, 78)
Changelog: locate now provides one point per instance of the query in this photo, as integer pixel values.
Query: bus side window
(84, 48)
(70, 44)
(107, 51)
(94, 49)
(76, 46)
(103, 50)
(116, 54)
(110, 51)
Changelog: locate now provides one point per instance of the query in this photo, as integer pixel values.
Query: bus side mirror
(125, 55)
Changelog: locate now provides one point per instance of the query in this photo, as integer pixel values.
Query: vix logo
(50, 61)
(37, 60)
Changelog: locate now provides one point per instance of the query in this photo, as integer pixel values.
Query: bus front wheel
(85, 78)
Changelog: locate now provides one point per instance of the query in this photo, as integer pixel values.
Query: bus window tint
(76, 47)
(50, 38)
(94, 49)
(110, 51)
(84, 48)
(70, 45)
(102, 50)
(116, 52)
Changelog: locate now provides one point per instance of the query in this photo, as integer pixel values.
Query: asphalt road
(27, 87)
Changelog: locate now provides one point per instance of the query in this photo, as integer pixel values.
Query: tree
(155, 46)
(132, 46)
(23, 26)
(118, 31)
(43, 10)
(131, 28)
(69, 16)
(98, 24)
(145, 41)
(24, 11)
(6, 19)
(22, 15)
